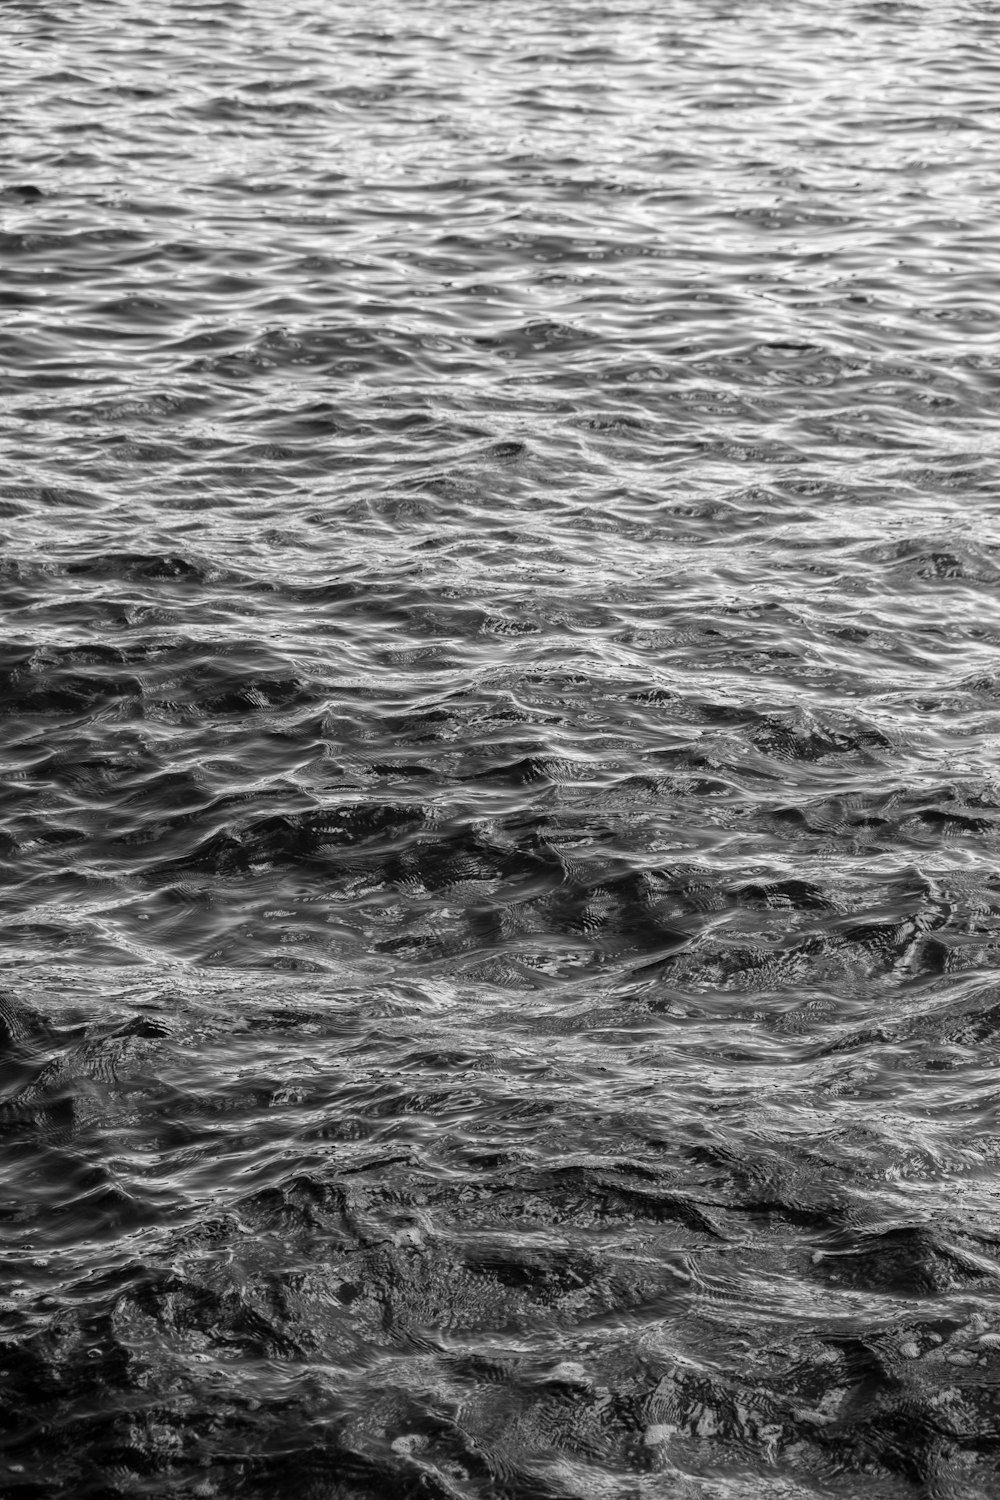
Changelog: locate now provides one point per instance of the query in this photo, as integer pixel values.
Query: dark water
(501, 824)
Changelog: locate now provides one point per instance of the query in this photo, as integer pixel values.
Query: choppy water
(500, 827)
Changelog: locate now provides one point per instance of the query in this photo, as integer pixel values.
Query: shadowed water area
(500, 817)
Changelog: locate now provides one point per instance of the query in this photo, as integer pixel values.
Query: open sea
(500, 750)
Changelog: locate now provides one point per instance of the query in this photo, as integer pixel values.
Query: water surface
(500, 827)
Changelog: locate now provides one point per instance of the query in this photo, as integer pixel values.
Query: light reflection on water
(500, 819)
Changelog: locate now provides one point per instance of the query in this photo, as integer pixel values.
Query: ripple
(500, 829)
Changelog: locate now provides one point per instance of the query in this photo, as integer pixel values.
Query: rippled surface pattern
(500, 821)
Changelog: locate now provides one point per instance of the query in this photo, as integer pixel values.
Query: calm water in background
(500, 826)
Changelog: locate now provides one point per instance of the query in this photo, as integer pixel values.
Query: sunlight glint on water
(500, 822)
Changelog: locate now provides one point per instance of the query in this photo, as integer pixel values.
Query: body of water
(500, 813)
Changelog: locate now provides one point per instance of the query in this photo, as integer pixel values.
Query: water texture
(500, 820)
